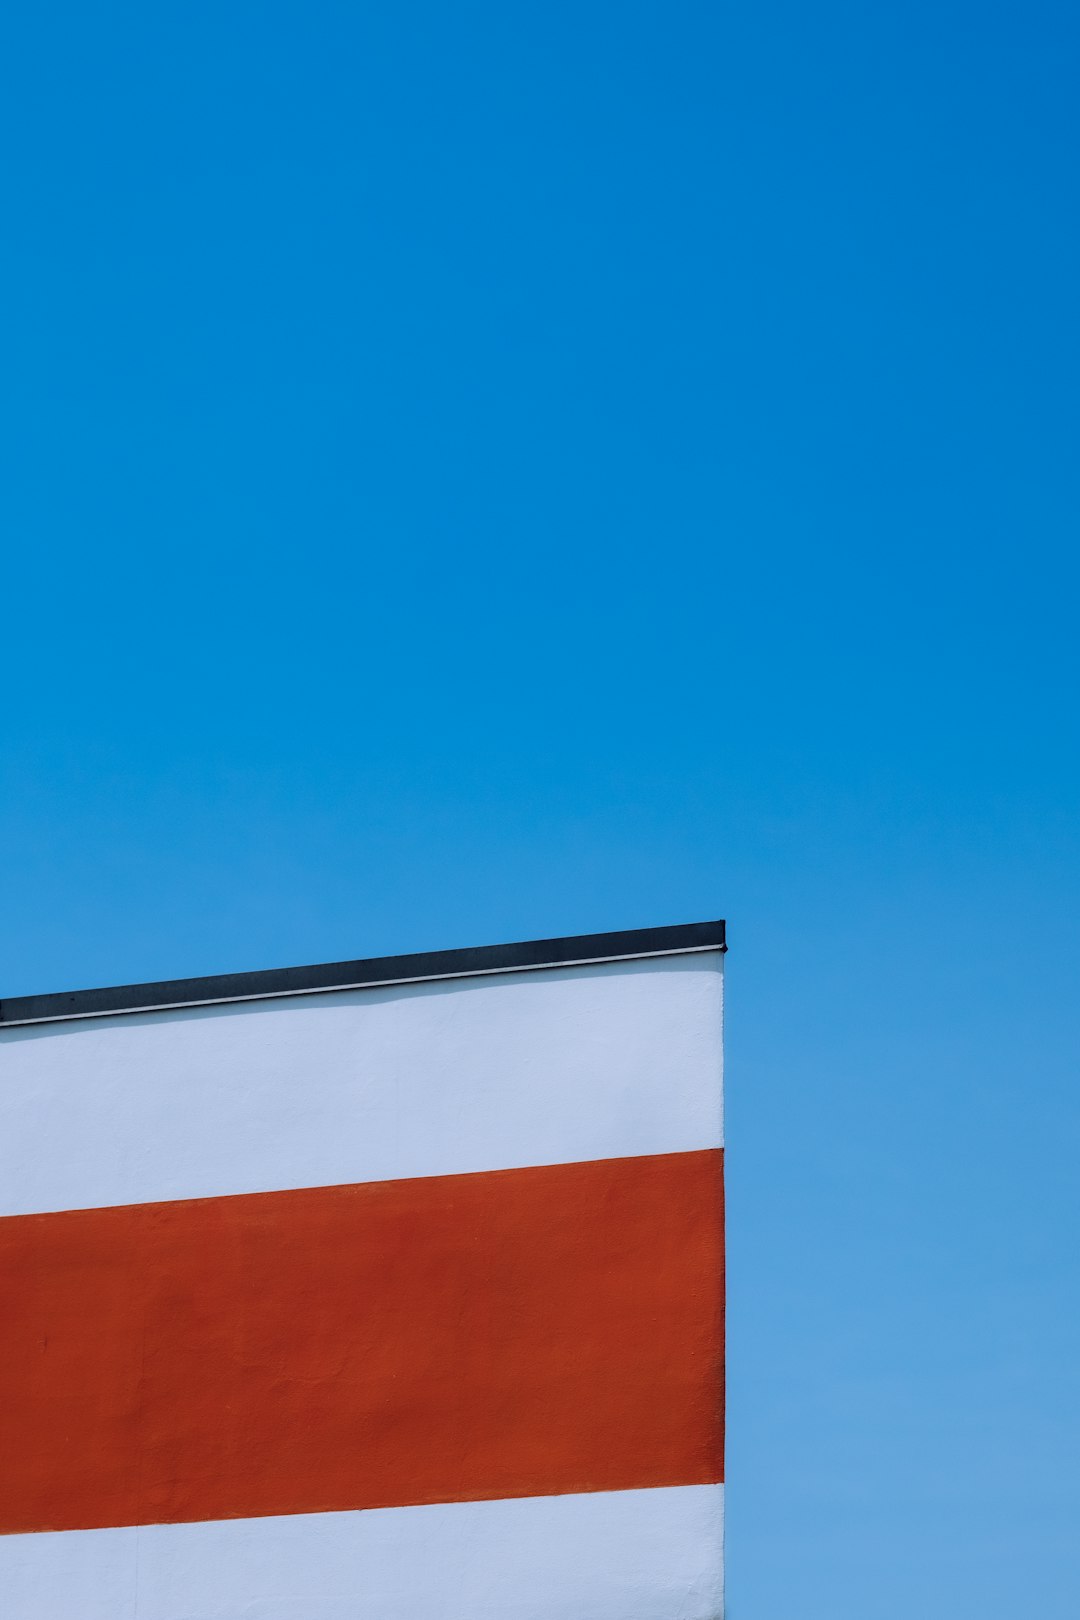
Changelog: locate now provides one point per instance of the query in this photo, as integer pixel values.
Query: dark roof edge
(533, 953)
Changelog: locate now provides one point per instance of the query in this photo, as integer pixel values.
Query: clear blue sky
(479, 471)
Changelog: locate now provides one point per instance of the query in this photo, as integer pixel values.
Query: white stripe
(621, 1555)
(541, 1067)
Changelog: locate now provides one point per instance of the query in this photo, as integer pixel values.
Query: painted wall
(378, 1302)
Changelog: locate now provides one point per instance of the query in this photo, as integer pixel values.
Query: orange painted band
(513, 1333)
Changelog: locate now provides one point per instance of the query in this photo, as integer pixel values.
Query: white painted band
(436, 1078)
(622, 1555)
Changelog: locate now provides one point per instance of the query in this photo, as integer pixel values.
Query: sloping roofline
(375, 970)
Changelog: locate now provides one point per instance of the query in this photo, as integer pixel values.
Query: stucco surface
(261, 1259)
(621, 1555)
(431, 1079)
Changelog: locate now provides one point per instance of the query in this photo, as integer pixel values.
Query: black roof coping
(376, 970)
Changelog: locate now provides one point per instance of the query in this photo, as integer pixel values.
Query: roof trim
(575, 950)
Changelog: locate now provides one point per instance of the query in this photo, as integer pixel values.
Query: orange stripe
(516, 1333)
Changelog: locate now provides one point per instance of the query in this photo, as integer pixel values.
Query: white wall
(540, 1067)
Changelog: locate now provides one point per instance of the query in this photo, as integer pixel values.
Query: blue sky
(483, 472)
